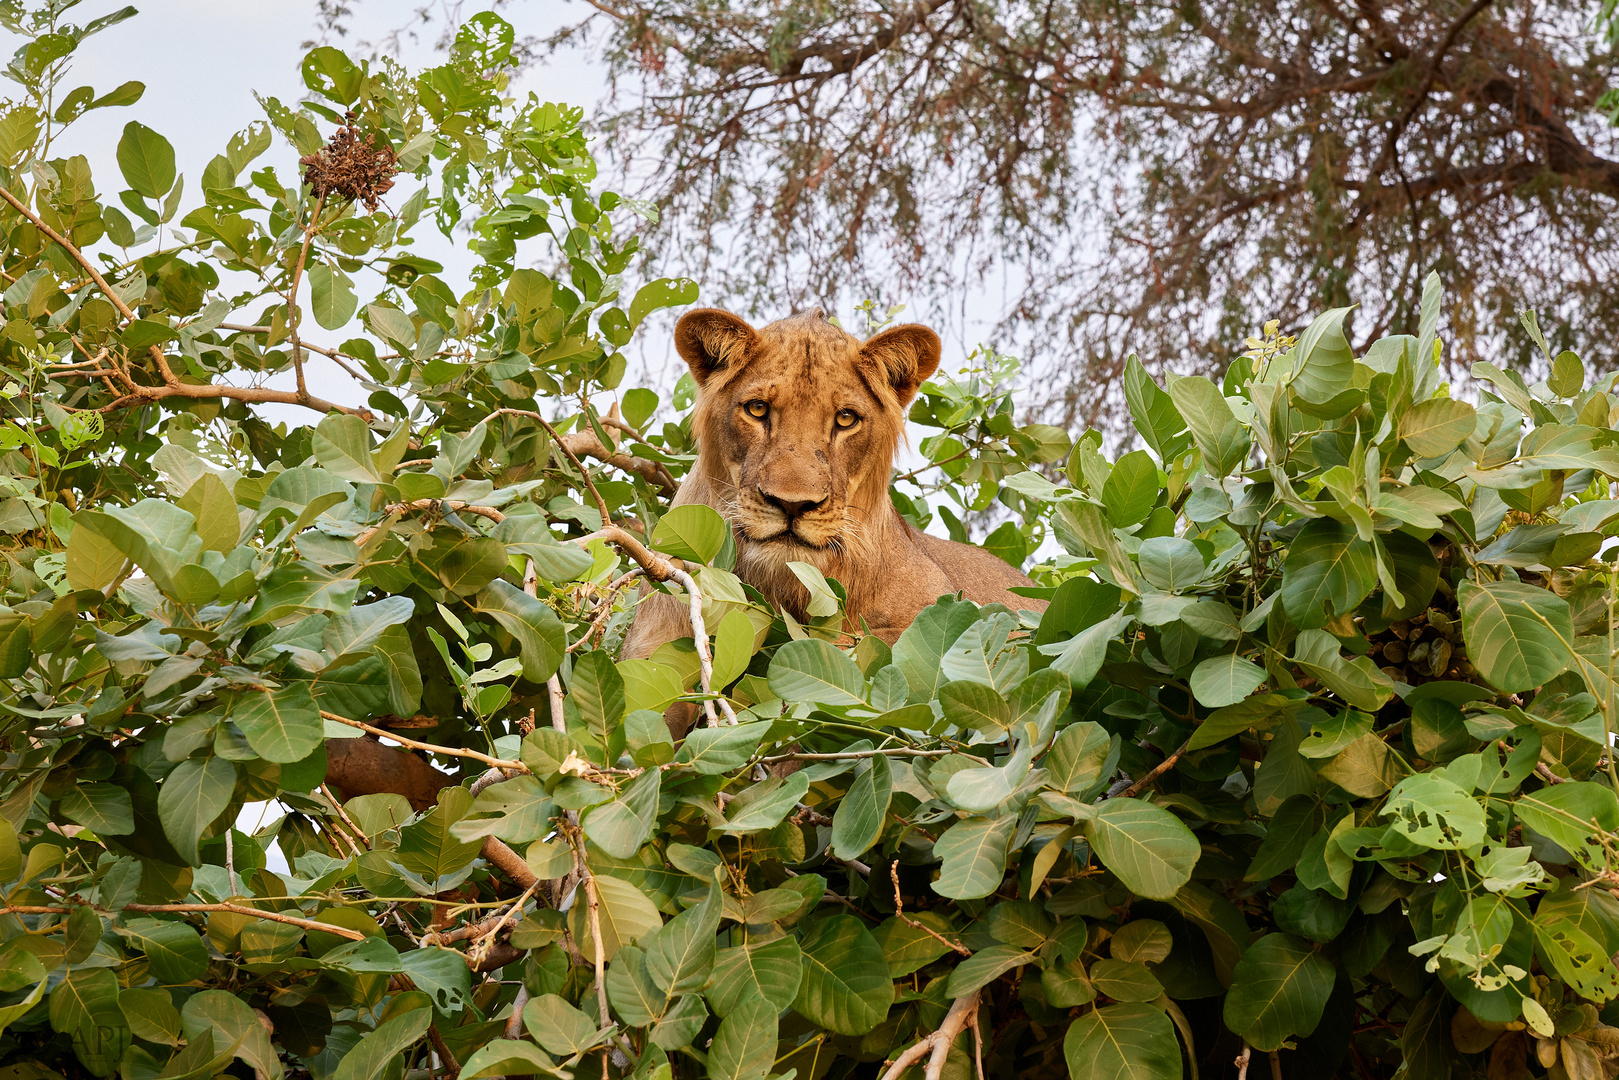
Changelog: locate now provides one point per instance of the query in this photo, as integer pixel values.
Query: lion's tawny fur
(807, 480)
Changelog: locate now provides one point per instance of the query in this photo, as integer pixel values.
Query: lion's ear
(909, 354)
(711, 340)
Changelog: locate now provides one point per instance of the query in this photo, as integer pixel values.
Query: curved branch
(963, 1010)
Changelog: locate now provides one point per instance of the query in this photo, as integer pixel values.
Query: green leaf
(974, 706)
(506, 1057)
(1323, 364)
(1567, 376)
(695, 532)
(84, 1007)
(376, 1053)
(1152, 410)
(281, 725)
(538, 631)
(1518, 636)
(919, 652)
(174, 951)
(1366, 767)
(1279, 990)
(1258, 712)
(662, 293)
(984, 967)
(1170, 563)
(1431, 811)
(516, 810)
(744, 1047)
(1131, 490)
(1328, 572)
(208, 500)
(191, 798)
(147, 161)
(1123, 1042)
(621, 826)
(1225, 680)
(1437, 426)
(1078, 757)
(626, 915)
(711, 751)
(974, 854)
(1145, 846)
(430, 847)
(331, 297)
(558, 1026)
(766, 804)
(846, 985)
(1125, 980)
(813, 670)
(342, 445)
(771, 971)
(24, 971)
(104, 808)
(1579, 959)
(1571, 816)
(680, 956)
(861, 814)
(733, 648)
(93, 561)
(1219, 435)
(354, 632)
(598, 692)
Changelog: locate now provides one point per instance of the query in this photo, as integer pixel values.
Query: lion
(797, 425)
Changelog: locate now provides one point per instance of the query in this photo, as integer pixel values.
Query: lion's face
(799, 422)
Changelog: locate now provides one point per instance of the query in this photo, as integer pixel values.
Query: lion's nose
(791, 506)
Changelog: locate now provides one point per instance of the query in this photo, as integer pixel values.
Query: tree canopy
(1137, 177)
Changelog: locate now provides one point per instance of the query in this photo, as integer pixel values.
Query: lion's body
(798, 424)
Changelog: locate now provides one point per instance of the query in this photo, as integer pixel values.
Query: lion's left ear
(909, 354)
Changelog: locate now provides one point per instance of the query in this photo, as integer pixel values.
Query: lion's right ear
(711, 340)
(909, 354)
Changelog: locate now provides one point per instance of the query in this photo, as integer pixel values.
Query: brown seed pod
(351, 166)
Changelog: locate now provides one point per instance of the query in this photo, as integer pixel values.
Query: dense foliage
(1308, 756)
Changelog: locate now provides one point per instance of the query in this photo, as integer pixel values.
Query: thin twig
(855, 755)
(239, 909)
(1158, 770)
(294, 315)
(899, 913)
(1242, 1060)
(433, 748)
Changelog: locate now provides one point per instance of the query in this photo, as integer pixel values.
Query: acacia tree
(1146, 176)
(1308, 765)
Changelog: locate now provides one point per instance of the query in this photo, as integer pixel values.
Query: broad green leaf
(429, 846)
(695, 532)
(858, 821)
(516, 810)
(1433, 812)
(147, 161)
(1125, 980)
(733, 648)
(767, 970)
(558, 1026)
(1170, 563)
(1131, 489)
(375, 1054)
(1219, 435)
(191, 798)
(332, 298)
(598, 692)
(662, 293)
(1329, 570)
(1437, 426)
(1123, 1042)
(538, 631)
(744, 1047)
(1225, 680)
(1518, 636)
(974, 706)
(1323, 363)
(626, 915)
(342, 445)
(919, 652)
(104, 808)
(174, 951)
(1078, 757)
(506, 1057)
(1279, 990)
(1366, 767)
(354, 632)
(846, 985)
(1579, 959)
(974, 854)
(24, 971)
(84, 1007)
(281, 725)
(1145, 846)
(813, 670)
(984, 967)
(680, 956)
(1152, 410)
(468, 566)
(710, 751)
(1571, 816)
(1256, 712)
(765, 805)
(93, 561)
(621, 826)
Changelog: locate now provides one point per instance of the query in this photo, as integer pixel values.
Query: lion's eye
(757, 409)
(847, 418)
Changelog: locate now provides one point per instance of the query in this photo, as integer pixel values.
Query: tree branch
(936, 1046)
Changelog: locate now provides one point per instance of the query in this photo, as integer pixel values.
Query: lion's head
(799, 422)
